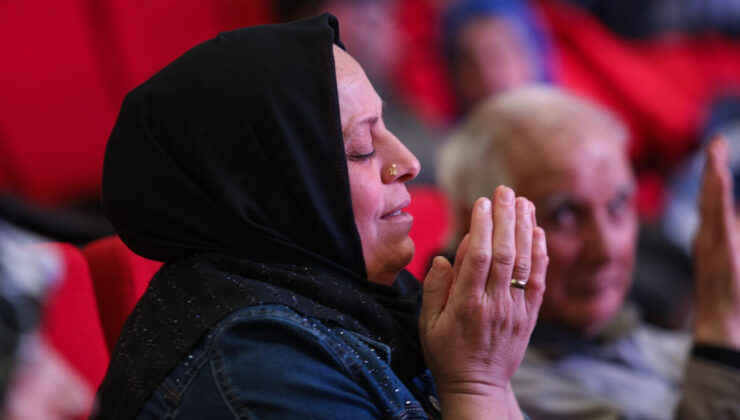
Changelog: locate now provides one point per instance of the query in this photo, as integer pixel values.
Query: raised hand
(475, 323)
(717, 255)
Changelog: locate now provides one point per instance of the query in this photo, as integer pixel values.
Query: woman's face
(378, 193)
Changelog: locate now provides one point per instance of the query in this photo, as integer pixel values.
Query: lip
(397, 211)
(597, 287)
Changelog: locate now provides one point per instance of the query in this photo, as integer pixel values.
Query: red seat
(120, 277)
(66, 67)
(430, 228)
(70, 321)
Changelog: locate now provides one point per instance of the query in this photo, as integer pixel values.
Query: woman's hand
(717, 255)
(474, 324)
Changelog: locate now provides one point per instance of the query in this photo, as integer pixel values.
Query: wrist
(480, 388)
(474, 401)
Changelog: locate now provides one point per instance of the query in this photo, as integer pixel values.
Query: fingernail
(485, 204)
(522, 207)
(507, 195)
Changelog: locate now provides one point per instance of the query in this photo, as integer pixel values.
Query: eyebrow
(558, 199)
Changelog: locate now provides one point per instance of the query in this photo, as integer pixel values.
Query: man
(590, 356)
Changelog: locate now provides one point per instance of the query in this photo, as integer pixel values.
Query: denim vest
(269, 361)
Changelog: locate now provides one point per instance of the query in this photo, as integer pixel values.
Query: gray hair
(475, 159)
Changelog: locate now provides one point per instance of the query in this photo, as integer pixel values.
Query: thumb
(436, 290)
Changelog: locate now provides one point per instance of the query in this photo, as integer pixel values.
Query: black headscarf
(229, 165)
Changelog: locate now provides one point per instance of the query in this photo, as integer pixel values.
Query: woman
(257, 166)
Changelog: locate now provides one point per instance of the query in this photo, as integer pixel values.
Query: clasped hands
(474, 325)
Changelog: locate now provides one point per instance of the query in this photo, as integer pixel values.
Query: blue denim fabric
(270, 362)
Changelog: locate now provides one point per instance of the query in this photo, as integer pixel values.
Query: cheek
(625, 251)
(628, 238)
(563, 250)
(622, 244)
(366, 201)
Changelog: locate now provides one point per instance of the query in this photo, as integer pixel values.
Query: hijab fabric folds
(229, 166)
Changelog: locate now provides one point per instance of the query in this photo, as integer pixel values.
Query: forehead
(345, 65)
(357, 97)
(587, 162)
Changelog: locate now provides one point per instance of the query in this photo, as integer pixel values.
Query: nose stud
(393, 170)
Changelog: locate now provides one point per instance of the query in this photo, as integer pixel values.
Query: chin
(404, 254)
(400, 249)
(402, 258)
(408, 250)
(394, 261)
(592, 319)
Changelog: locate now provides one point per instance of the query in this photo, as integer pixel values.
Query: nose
(400, 165)
(600, 242)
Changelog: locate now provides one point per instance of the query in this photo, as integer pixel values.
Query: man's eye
(619, 205)
(361, 156)
(564, 216)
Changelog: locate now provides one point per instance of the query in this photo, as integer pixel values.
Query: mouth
(393, 214)
(397, 210)
(598, 288)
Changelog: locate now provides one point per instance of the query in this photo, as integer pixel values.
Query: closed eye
(362, 156)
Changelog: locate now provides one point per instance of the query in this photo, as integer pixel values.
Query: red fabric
(657, 103)
(421, 74)
(54, 112)
(430, 229)
(70, 321)
(120, 278)
(66, 66)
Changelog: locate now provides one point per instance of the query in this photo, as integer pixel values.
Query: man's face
(583, 190)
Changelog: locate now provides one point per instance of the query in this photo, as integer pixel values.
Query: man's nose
(600, 241)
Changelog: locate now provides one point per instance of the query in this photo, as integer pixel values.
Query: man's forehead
(553, 169)
(562, 144)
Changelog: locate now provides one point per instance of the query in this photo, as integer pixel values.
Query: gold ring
(519, 284)
(393, 170)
